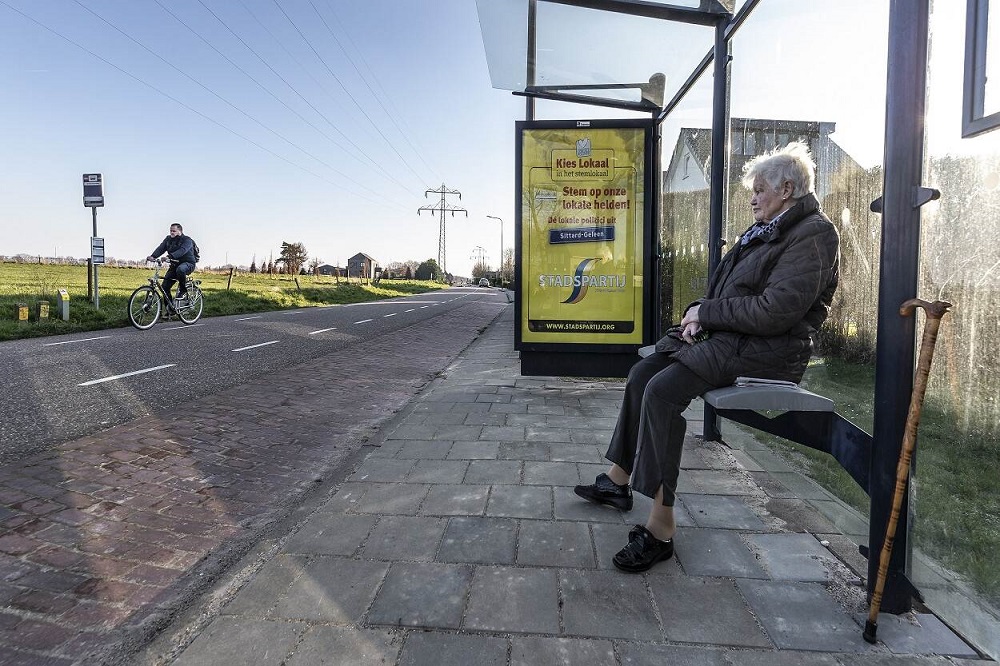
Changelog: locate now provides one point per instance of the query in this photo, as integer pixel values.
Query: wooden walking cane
(934, 312)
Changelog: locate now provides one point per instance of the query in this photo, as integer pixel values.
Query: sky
(256, 130)
(324, 122)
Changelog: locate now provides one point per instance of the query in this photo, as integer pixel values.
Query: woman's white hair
(793, 163)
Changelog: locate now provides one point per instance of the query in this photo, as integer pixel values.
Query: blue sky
(307, 150)
(259, 128)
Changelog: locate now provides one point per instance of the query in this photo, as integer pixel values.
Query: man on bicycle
(180, 250)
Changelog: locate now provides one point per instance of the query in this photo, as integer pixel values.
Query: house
(688, 170)
(362, 265)
(327, 269)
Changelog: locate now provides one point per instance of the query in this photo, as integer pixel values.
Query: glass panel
(504, 25)
(837, 106)
(991, 93)
(956, 489)
(687, 147)
(578, 46)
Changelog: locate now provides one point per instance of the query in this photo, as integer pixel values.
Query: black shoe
(606, 491)
(643, 551)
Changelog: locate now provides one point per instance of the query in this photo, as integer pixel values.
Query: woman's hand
(690, 326)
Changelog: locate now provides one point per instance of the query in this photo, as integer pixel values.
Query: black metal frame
(902, 197)
(974, 89)
(824, 431)
(906, 84)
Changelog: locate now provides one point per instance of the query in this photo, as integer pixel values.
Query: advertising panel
(582, 233)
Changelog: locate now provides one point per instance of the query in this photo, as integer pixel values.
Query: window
(981, 96)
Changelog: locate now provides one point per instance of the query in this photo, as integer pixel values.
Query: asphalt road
(64, 387)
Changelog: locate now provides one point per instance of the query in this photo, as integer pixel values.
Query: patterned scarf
(759, 229)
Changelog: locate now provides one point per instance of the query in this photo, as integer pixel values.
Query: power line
(221, 98)
(184, 105)
(290, 86)
(347, 54)
(442, 207)
(346, 91)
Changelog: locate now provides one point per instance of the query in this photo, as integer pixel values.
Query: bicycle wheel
(144, 308)
(190, 312)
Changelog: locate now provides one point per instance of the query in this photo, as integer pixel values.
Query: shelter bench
(805, 417)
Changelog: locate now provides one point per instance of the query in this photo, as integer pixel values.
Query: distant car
(483, 282)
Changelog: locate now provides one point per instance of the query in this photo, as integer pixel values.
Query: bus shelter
(612, 77)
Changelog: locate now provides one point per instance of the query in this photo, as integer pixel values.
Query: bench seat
(761, 395)
(806, 418)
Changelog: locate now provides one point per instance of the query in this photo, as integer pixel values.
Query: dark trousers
(177, 273)
(649, 435)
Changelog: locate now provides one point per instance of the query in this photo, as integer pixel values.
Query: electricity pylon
(442, 207)
(479, 254)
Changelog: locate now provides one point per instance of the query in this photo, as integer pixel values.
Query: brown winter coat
(765, 301)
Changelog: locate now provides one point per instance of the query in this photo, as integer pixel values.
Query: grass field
(957, 488)
(30, 283)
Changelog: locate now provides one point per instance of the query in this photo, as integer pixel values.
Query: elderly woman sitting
(766, 299)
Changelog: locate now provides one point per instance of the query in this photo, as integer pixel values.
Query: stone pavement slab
(803, 616)
(606, 604)
(704, 552)
(507, 599)
(453, 650)
(479, 540)
(529, 651)
(323, 645)
(428, 595)
(477, 551)
(793, 556)
(705, 610)
(247, 642)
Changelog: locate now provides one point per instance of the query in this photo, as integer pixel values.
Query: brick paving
(104, 538)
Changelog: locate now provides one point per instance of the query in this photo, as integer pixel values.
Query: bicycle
(146, 303)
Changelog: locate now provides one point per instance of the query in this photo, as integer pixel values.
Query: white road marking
(69, 342)
(411, 309)
(263, 344)
(322, 330)
(363, 321)
(253, 317)
(424, 306)
(127, 374)
(181, 328)
(291, 312)
(391, 314)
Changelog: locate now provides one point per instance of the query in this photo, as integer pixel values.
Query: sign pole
(97, 296)
(93, 198)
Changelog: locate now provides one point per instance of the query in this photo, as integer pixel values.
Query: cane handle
(934, 310)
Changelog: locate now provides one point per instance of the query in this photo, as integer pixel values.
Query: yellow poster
(582, 235)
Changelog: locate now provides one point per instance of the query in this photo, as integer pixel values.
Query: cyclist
(180, 250)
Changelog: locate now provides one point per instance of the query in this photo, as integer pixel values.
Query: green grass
(957, 488)
(31, 283)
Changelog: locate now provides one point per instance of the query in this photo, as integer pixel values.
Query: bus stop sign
(93, 190)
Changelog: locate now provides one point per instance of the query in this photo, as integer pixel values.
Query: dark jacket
(765, 301)
(180, 248)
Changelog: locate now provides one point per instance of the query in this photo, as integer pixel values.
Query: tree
(293, 256)
(409, 272)
(507, 269)
(480, 269)
(253, 265)
(428, 270)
